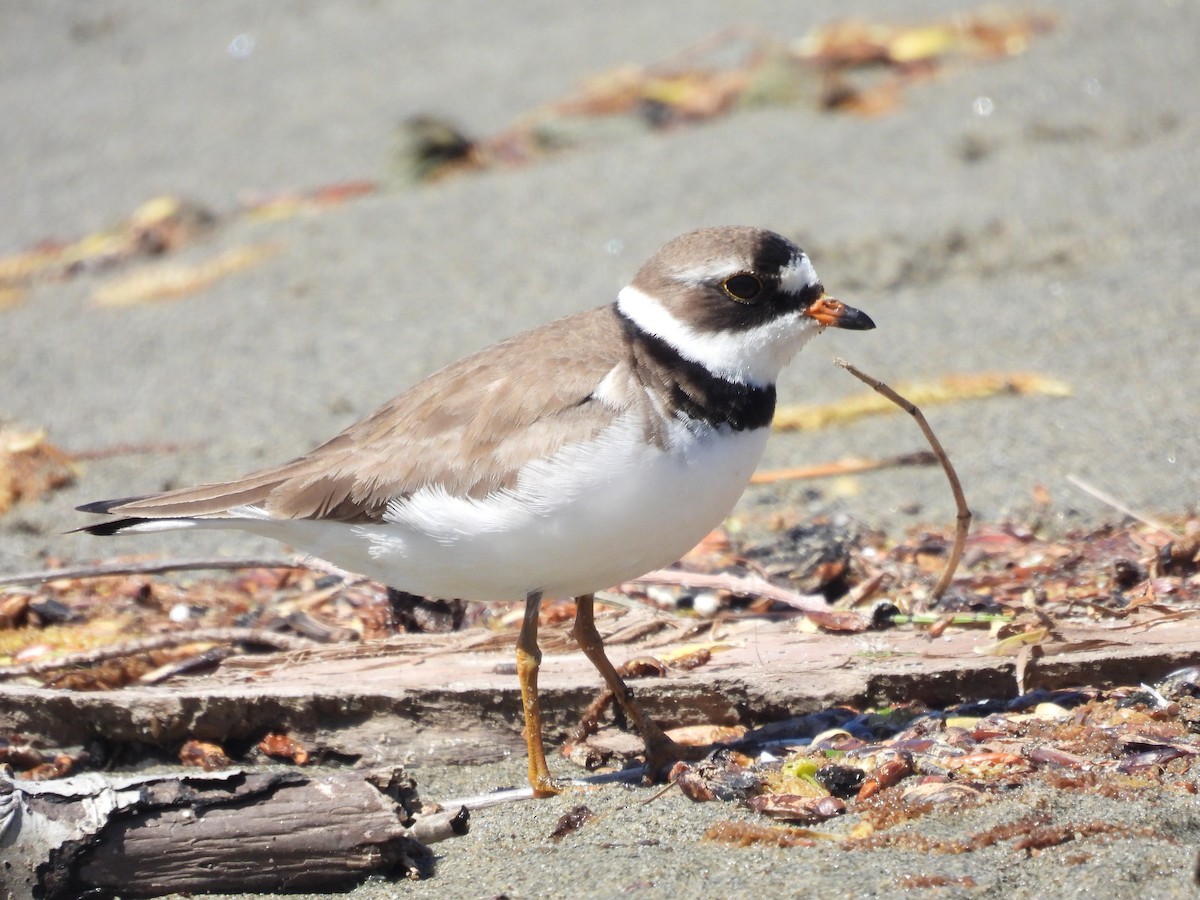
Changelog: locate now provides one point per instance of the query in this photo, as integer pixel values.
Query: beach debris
(30, 466)
(724, 776)
(571, 821)
(748, 834)
(951, 388)
(104, 834)
(797, 809)
(284, 746)
(839, 781)
(852, 465)
(157, 227)
(1010, 576)
(913, 762)
(203, 755)
(168, 282)
(850, 66)
(270, 207)
(924, 881)
(702, 735)
(887, 766)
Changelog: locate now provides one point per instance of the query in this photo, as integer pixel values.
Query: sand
(1054, 234)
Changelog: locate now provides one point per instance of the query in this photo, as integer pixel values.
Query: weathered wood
(427, 701)
(144, 836)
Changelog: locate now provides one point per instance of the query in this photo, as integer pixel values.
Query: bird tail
(202, 507)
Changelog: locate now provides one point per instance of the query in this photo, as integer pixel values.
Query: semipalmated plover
(567, 459)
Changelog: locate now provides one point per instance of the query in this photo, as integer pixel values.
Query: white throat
(754, 356)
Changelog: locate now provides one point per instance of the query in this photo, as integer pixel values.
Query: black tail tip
(111, 527)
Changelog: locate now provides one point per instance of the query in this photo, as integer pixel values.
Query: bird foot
(545, 787)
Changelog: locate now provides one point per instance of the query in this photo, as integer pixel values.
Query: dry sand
(1056, 234)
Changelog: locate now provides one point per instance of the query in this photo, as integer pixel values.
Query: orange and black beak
(828, 311)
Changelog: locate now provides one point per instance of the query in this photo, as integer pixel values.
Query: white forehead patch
(798, 275)
(751, 356)
(708, 273)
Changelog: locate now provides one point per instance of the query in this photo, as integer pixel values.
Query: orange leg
(529, 658)
(661, 751)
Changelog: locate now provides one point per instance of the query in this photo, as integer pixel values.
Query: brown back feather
(469, 427)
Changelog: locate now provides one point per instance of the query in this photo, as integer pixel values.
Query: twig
(702, 48)
(1119, 506)
(843, 467)
(746, 585)
(963, 524)
(813, 606)
(210, 657)
(126, 450)
(273, 639)
(147, 568)
(956, 619)
(631, 775)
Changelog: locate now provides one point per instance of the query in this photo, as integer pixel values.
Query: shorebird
(564, 460)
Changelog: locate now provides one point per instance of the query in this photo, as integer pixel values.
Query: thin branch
(843, 467)
(273, 639)
(814, 606)
(1116, 504)
(745, 585)
(147, 568)
(964, 513)
(126, 450)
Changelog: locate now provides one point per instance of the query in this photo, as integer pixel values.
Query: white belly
(595, 515)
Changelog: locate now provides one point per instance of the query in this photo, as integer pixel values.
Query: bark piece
(144, 836)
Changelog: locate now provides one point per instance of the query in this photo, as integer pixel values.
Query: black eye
(742, 287)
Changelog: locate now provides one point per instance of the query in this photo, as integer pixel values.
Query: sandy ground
(1054, 234)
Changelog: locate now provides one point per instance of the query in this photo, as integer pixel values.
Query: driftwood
(234, 830)
(439, 700)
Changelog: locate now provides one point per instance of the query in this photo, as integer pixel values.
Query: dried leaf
(988, 34)
(721, 778)
(30, 466)
(794, 808)
(22, 268)
(843, 467)
(13, 609)
(571, 821)
(158, 226)
(282, 746)
(891, 771)
(702, 735)
(169, 282)
(1011, 645)
(59, 767)
(691, 656)
(747, 834)
(203, 755)
(283, 206)
(875, 100)
(695, 95)
(948, 389)
(642, 667)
